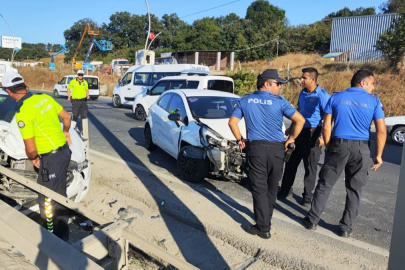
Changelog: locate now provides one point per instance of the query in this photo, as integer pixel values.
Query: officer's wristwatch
(241, 138)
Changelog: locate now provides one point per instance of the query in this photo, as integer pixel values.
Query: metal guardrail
(112, 240)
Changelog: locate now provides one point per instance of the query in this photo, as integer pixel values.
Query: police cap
(272, 74)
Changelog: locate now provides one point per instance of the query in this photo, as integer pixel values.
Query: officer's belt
(338, 140)
(267, 143)
(56, 150)
(79, 99)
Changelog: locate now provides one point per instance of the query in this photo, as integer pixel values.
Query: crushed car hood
(221, 126)
(12, 144)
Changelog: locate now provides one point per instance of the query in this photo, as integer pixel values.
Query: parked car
(12, 155)
(396, 129)
(138, 79)
(144, 100)
(60, 89)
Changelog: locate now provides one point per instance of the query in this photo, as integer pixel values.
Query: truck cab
(5, 67)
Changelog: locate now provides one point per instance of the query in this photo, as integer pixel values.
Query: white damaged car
(192, 126)
(12, 155)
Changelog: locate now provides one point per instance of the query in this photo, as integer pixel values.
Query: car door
(159, 113)
(155, 93)
(172, 131)
(61, 87)
(127, 94)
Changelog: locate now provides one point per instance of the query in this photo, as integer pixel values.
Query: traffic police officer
(46, 145)
(311, 104)
(263, 112)
(80, 94)
(348, 147)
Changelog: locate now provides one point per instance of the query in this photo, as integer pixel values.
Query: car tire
(140, 113)
(117, 101)
(191, 169)
(56, 94)
(148, 139)
(95, 98)
(398, 135)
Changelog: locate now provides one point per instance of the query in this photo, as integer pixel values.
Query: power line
(260, 45)
(210, 9)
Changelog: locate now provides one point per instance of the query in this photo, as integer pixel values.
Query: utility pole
(147, 36)
(12, 54)
(277, 44)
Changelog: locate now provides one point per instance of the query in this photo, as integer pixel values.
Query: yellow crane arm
(80, 43)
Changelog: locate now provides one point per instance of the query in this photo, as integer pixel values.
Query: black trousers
(79, 108)
(307, 151)
(265, 162)
(54, 215)
(354, 158)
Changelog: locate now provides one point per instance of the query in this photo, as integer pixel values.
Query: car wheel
(95, 98)
(140, 113)
(398, 135)
(117, 102)
(191, 169)
(148, 139)
(56, 93)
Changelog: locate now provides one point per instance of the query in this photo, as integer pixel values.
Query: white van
(138, 79)
(5, 66)
(60, 89)
(144, 100)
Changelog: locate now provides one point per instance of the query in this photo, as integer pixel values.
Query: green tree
(346, 12)
(173, 35)
(263, 22)
(74, 34)
(205, 35)
(393, 6)
(391, 43)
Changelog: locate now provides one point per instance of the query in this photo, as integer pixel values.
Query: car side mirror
(174, 117)
(148, 92)
(119, 82)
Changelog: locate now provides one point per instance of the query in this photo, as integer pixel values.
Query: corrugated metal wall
(360, 35)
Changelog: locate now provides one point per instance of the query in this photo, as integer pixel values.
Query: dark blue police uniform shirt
(263, 113)
(312, 106)
(352, 111)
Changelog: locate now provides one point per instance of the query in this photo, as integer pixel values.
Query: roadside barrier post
(85, 126)
(397, 258)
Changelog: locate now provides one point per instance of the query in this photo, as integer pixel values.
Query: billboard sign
(10, 42)
(166, 54)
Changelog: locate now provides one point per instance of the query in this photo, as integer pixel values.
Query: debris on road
(110, 203)
(154, 217)
(249, 262)
(135, 210)
(162, 203)
(123, 213)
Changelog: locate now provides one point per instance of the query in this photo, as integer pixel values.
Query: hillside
(335, 77)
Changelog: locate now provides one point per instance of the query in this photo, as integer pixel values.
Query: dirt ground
(206, 229)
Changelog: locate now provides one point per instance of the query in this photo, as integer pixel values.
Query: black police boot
(346, 234)
(308, 224)
(254, 230)
(282, 195)
(305, 200)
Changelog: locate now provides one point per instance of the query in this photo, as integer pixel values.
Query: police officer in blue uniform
(311, 104)
(348, 148)
(263, 112)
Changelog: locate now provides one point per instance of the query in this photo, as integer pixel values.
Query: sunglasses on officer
(80, 74)
(276, 82)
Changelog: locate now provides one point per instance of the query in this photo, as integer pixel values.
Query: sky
(44, 21)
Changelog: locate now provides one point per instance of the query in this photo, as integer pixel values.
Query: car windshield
(212, 107)
(7, 108)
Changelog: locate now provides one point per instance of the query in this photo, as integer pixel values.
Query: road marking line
(354, 242)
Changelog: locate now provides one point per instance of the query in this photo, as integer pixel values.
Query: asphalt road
(115, 132)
